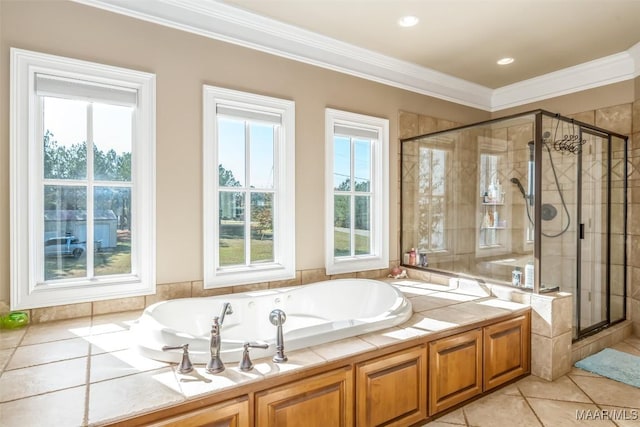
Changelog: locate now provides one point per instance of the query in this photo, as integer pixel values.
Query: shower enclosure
(535, 200)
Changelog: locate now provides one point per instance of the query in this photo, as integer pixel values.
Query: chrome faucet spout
(215, 365)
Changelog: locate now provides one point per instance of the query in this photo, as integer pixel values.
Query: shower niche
(534, 200)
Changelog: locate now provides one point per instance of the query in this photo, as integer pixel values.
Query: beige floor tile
(39, 354)
(633, 341)
(54, 331)
(20, 383)
(604, 391)
(439, 423)
(561, 389)
(10, 338)
(554, 413)
(627, 348)
(121, 363)
(456, 417)
(121, 396)
(59, 408)
(500, 410)
(511, 390)
(623, 417)
(581, 372)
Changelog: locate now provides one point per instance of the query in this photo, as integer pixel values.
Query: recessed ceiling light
(408, 21)
(505, 61)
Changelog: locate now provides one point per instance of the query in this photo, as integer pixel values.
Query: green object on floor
(14, 320)
(614, 364)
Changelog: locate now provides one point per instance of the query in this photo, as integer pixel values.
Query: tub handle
(245, 362)
(185, 365)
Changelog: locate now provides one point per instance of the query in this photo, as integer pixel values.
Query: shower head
(516, 181)
(530, 143)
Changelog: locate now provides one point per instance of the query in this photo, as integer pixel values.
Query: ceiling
(559, 46)
(465, 38)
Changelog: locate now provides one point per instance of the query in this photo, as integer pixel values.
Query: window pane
(232, 239)
(438, 171)
(112, 230)
(261, 227)
(363, 224)
(231, 152)
(65, 231)
(112, 139)
(342, 225)
(262, 140)
(65, 138)
(341, 163)
(362, 164)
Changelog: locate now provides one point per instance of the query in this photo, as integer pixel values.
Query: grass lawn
(116, 261)
(232, 251)
(342, 243)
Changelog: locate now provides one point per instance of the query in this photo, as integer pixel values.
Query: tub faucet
(277, 317)
(215, 365)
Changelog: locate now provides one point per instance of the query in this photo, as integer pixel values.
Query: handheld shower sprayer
(517, 182)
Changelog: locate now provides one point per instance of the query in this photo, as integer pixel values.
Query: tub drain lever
(185, 365)
(277, 317)
(245, 363)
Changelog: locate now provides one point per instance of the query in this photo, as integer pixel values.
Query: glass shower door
(593, 223)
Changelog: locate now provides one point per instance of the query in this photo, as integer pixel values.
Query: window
(432, 202)
(82, 189)
(357, 187)
(249, 187)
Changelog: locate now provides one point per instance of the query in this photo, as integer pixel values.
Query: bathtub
(316, 313)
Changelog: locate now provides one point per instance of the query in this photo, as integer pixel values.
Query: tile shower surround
(623, 119)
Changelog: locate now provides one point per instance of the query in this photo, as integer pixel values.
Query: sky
(67, 120)
(231, 151)
(342, 159)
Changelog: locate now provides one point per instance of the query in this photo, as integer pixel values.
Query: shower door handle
(581, 231)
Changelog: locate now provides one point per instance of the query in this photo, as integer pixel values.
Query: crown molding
(226, 23)
(599, 72)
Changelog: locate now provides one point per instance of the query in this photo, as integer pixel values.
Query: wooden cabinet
(392, 390)
(318, 401)
(233, 413)
(455, 369)
(506, 351)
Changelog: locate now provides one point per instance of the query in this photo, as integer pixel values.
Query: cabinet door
(319, 401)
(233, 413)
(392, 390)
(506, 351)
(455, 370)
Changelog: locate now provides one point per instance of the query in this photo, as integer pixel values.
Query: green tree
(70, 162)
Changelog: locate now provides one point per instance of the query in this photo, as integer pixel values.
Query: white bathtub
(316, 314)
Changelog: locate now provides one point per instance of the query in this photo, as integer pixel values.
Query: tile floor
(532, 401)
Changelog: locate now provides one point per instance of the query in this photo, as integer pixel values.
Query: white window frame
(283, 266)
(26, 206)
(379, 258)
